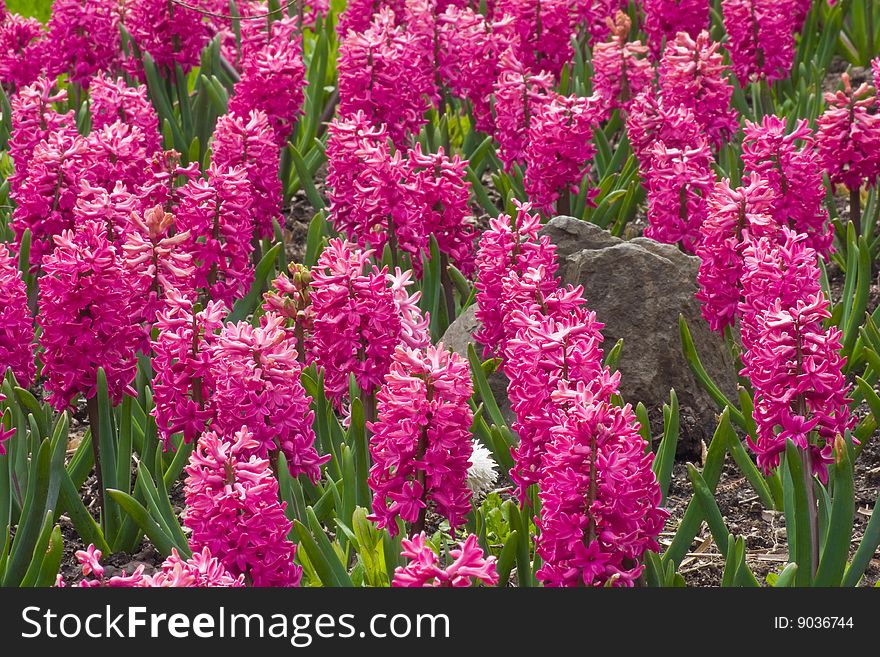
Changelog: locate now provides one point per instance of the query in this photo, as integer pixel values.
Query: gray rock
(637, 289)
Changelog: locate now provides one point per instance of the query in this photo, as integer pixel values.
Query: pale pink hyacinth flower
(111, 207)
(233, 510)
(421, 442)
(600, 501)
(469, 565)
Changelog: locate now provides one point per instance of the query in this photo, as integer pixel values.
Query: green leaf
(787, 577)
(710, 509)
(265, 270)
(665, 458)
(800, 514)
(161, 540)
(840, 527)
(507, 558)
(482, 385)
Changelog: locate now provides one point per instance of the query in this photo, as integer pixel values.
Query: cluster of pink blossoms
(273, 81)
(469, 565)
(559, 148)
(82, 38)
(691, 74)
(510, 245)
(183, 384)
(791, 358)
(382, 72)
(216, 211)
(733, 217)
(233, 510)
(249, 143)
(600, 501)
(377, 198)
(21, 50)
(199, 571)
(621, 70)
(666, 18)
(170, 33)
(16, 327)
(848, 136)
(111, 100)
(761, 37)
(542, 32)
(87, 317)
(256, 384)
(518, 95)
(359, 14)
(421, 442)
(789, 163)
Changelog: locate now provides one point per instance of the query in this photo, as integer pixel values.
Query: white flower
(482, 473)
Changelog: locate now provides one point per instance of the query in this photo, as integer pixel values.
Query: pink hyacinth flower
(468, 566)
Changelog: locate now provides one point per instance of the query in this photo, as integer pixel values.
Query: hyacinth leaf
(305, 178)
(507, 558)
(710, 509)
(798, 512)
(481, 384)
(123, 445)
(832, 563)
(696, 366)
(612, 358)
(518, 523)
(750, 471)
(665, 457)
(644, 425)
(51, 563)
(865, 552)
(82, 520)
(693, 516)
(39, 553)
(32, 514)
(322, 561)
(370, 548)
(787, 577)
(161, 540)
(653, 569)
(39, 413)
(263, 274)
(359, 442)
(731, 562)
(107, 452)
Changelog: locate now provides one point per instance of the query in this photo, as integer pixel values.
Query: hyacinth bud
(468, 566)
(233, 510)
(621, 71)
(421, 442)
(16, 325)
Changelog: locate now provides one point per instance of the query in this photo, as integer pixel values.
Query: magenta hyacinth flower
(792, 360)
(256, 377)
(170, 33)
(599, 18)
(356, 323)
(600, 501)
(359, 14)
(421, 442)
(384, 73)
(16, 325)
(733, 217)
(201, 570)
(542, 32)
(788, 161)
(363, 183)
(233, 510)
(557, 340)
(250, 143)
(666, 18)
(621, 70)
(82, 38)
(848, 136)
(414, 325)
(761, 37)
(273, 81)
(47, 196)
(21, 50)
(437, 201)
(509, 245)
(469, 565)
(113, 209)
(88, 317)
(118, 153)
(559, 149)
(518, 96)
(157, 260)
(164, 179)
(183, 385)
(470, 47)
(692, 74)
(217, 213)
(111, 100)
